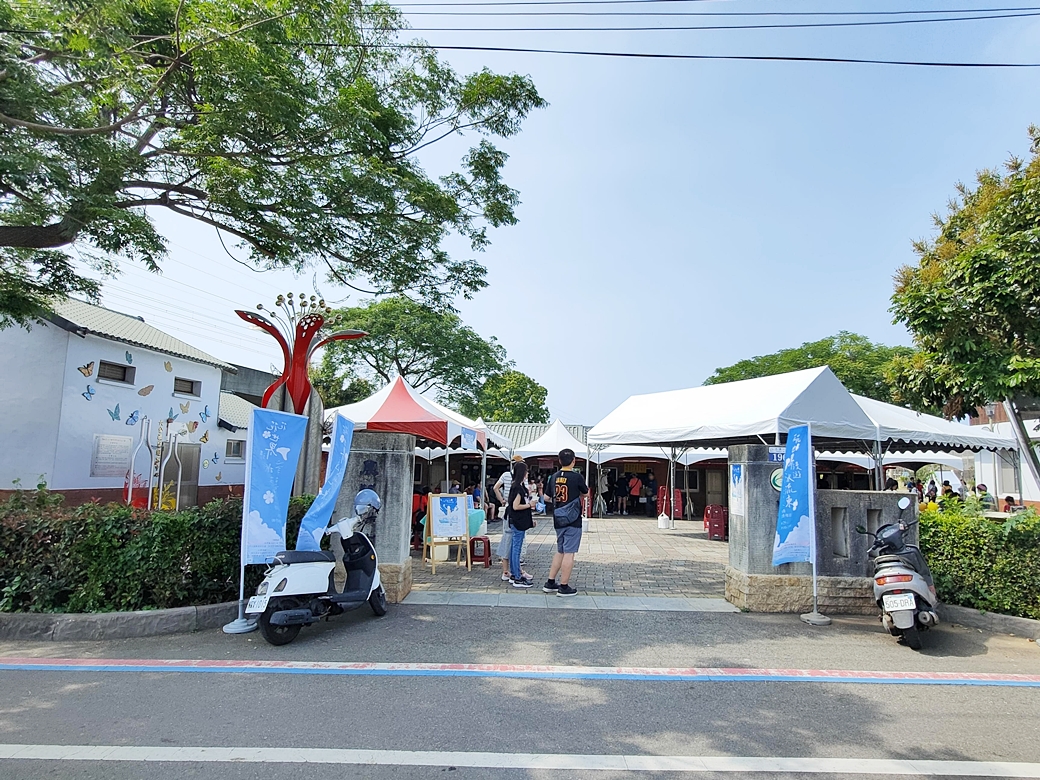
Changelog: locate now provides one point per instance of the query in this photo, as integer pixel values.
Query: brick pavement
(619, 556)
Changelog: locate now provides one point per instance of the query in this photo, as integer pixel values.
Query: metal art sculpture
(295, 329)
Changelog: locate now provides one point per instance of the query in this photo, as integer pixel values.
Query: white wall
(988, 469)
(31, 388)
(82, 418)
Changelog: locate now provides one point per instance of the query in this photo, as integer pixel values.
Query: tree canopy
(432, 349)
(859, 363)
(290, 126)
(510, 396)
(972, 302)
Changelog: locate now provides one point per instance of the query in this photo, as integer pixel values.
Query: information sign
(110, 455)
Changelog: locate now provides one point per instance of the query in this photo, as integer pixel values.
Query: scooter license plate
(257, 604)
(894, 602)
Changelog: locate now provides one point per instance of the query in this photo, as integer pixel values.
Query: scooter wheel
(378, 602)
(277, 635)
(912, 638)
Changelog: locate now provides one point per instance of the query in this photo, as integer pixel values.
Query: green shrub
(982, 563)
(105, 557)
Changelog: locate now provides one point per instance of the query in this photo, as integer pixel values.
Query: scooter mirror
(860, 529)
(904, 503)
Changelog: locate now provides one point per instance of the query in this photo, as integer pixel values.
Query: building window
(187, 387)
(236, 448)
(114, 372)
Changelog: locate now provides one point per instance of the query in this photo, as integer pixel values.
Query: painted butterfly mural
(129, 358)
(89, 394)
(215, 458)
(86, 370)
(171, 416)
(204, 414)
(168, 366)
(185, 407)
(192, 426)
(133, 417)
(204, 438)
(146, 390)
(114, 413)
(218, 477)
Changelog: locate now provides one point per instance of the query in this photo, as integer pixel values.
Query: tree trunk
(40, 236)
(1025, 444)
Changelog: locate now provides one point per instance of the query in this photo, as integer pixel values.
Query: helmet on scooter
(367, 504)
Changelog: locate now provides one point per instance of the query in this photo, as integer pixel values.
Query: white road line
(633, 763)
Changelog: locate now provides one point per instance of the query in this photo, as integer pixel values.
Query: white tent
(898, 426)
(556, 438)
(746, 412)
(635, 452)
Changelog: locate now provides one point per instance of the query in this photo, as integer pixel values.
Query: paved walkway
(537, 599)
(619, 556)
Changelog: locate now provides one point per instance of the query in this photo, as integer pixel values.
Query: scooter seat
(304, 556)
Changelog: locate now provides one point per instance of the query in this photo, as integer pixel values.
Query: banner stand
(455, 530)
(240, 625)
(814, 618)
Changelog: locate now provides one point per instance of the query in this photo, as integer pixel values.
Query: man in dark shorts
(566, 487)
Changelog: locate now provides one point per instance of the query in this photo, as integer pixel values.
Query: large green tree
(290, 126)
(972, 302)
(510, 396)
(859, 363)
(431, 348)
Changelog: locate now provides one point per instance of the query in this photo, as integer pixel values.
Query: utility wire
(794, 26)
(783, 14)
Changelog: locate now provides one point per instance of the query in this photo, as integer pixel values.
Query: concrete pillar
(844, 570)
(385, 463)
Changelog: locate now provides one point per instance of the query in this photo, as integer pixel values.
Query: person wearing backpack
(566, 487)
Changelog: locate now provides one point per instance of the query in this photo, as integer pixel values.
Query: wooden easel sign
(447, 525)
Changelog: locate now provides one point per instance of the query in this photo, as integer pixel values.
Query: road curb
(990, 621)
(81, 627)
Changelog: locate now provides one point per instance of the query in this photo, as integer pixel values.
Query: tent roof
(522, 434)
(751, 411)
(552, 441)
(636, 452)
(917, 459)
(900, 426)
(399, 408)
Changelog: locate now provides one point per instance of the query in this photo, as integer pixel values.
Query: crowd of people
(936, 494)
(631, 494)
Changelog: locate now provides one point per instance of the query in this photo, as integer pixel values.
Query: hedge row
(982, 563)
(108, 557)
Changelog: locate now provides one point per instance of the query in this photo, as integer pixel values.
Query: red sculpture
(300, 325)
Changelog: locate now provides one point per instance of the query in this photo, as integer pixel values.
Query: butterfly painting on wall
(168, 366)
(204, 438)
(171, 416)
(146, 390)
(205, 464)
(133, 417)
(192, 426)
(114, 413)
(215, 458)
(218, 477)
(86, 370)
(89, 393)
(204, 414)
(185, 407)
(129, 358)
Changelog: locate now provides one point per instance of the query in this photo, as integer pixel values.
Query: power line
(662, 56)
(794, 26)
(783, 14)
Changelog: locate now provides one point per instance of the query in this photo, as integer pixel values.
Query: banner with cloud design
(272, 453)
(313, 525)
(796, 519)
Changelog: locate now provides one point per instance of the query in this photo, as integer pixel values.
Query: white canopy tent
(899, 427)
(556, 438)
(752, 411)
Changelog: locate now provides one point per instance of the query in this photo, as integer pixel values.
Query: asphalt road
(522, 716)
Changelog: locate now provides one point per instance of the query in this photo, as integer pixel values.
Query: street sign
(776, 454)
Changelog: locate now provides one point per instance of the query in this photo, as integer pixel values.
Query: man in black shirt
(566, 487)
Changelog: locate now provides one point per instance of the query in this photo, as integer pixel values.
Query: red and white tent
(399, 408)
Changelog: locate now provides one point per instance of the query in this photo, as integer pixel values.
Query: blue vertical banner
(469, 439)
(796, 519)
(314, 523)
(272, 453)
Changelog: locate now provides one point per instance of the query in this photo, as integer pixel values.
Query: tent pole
(447, 470)
(483, 478)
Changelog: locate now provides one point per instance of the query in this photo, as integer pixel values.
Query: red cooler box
(716, 522)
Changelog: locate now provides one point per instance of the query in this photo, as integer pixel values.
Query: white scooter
(299, 588)
(903, 587)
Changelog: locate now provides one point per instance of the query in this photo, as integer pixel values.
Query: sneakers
(506, 578)
(550, 586)
(524, 584)
(566, 590)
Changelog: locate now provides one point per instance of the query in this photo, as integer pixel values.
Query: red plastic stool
(485, 551)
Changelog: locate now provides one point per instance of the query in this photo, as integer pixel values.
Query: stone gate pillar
(384, 462)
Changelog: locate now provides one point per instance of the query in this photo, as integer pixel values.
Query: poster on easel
(449, 515)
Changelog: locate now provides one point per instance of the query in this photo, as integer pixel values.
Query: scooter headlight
(262, 588)
(281, 585)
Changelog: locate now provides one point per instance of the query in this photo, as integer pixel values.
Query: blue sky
(679, 216)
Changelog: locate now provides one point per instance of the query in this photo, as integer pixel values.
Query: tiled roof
(523, 434)
(234, 410)
(83, 318)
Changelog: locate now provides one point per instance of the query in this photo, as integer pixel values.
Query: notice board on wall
(110, 455)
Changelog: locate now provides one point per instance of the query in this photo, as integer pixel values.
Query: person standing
(501, 491)
(566, 487)
(521, 521)
(635, 492)
(650, 489)
(621, 493)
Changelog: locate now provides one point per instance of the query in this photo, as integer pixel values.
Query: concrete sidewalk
(538, 600)
(619, 556)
